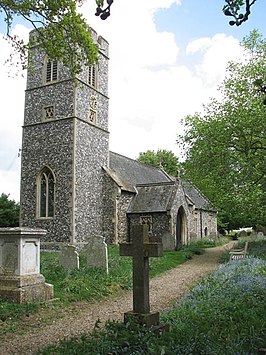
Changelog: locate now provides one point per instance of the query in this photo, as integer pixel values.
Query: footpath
(165, 291)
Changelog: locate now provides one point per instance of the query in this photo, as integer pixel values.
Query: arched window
(51, 73)
(46, 189)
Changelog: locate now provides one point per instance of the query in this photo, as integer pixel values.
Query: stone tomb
(20, 278)
(141, 249)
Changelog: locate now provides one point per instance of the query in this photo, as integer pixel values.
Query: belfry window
(51, 71)
(46, 189)
(92, 76)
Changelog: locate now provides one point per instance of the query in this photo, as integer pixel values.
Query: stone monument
(96, 253)
(20, 278)
(140, 248)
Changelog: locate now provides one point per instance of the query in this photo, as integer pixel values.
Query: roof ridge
(140, 163)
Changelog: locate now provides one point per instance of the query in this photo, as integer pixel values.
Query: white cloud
(149, 92)
(12, 89)
(216, 53)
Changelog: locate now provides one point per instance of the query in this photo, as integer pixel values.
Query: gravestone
(20, 278)
(96, 253)
(69, 257)
(141, 249)
(260, 235)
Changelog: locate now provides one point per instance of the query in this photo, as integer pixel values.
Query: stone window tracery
(146, 220)
(48, 113)
(45, 194)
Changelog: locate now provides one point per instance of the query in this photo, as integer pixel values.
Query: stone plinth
(20, 278)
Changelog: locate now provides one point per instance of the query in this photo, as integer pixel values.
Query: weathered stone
(69, 257)
(96, 253)
(20, 278)
(260, 234)
(141, 249)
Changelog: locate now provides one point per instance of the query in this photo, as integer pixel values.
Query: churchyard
(223, 314)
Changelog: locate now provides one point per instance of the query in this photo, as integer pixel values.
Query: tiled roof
(153, 198)
(134, 173)
(194, 195)
(158, 187)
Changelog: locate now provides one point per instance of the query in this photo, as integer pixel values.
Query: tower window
(46, 189)
(51, 71)
(92, 76)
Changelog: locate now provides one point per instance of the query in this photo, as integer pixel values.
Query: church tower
(64, 147)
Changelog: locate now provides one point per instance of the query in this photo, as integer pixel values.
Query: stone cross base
(151, 320)
(23, 289)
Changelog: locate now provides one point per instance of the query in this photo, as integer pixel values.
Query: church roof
(196, 197)
(133, 172)
(153, 198)
(157, 190)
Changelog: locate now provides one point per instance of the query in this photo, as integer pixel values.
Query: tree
(233, 9)
(9, 212)
(162, 158)
(61, 27)
(225, 146)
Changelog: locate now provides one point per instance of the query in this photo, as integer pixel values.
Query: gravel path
(165, 290)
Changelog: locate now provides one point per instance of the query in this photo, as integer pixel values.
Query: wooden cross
(141, 249)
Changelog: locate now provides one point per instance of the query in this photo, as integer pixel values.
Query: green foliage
(93, 283)
(85, 284)
(9, 212)
(256, 248)
(63, 33)
(162, 158)
(224, 314)
(225, 146)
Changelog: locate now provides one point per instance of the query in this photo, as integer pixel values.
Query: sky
(167, 59)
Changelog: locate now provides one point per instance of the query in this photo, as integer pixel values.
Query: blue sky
(167, 58)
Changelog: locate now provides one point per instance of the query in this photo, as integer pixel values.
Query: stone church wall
(91, 154)
(110, 192)
(160, 223)
(203, 224)
(122, 206)
(39, 150)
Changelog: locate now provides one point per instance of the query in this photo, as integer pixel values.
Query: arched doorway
(181, 227)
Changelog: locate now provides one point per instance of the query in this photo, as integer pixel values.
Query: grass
(224, 314)
(85, 284)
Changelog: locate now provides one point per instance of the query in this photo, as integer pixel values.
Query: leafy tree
(225, 146)
(162, 158)
(9, 212)
(61, 27)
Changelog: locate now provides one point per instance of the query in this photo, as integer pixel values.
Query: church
(74, 187)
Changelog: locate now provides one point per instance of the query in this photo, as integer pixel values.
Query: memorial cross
(141, 249)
